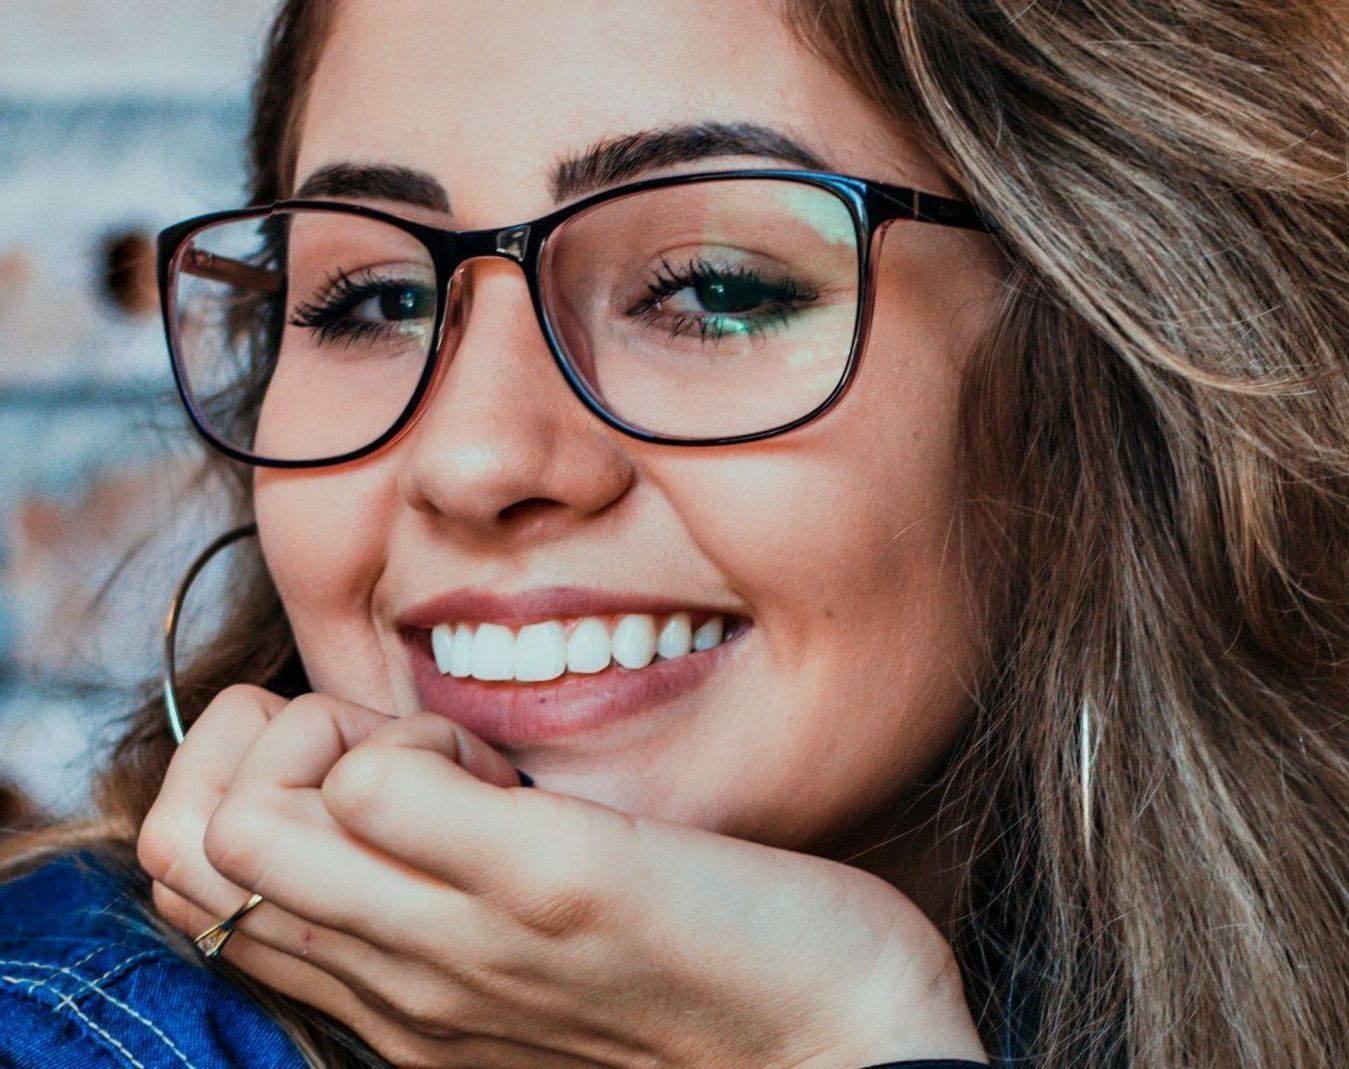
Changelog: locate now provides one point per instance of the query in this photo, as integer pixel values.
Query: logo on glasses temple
(512, 241)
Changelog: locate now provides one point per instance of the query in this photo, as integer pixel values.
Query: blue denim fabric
(86, 984)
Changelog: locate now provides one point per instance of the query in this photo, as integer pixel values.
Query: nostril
(523, 508)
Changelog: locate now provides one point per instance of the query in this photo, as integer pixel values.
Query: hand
(452, 919)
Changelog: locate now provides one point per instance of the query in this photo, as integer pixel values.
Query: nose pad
(466, 289)
(457, 300)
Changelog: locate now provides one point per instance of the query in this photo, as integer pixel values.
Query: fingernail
(526, 780)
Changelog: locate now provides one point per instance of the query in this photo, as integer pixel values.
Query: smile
(538, 652)
(511, 712)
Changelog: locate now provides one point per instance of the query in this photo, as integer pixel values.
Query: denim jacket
(86, 983)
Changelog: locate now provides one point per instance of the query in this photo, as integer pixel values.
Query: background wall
(117, 117)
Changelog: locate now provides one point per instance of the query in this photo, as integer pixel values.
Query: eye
(724, 295)
(366, 306)
(395, 301)
(718, 299)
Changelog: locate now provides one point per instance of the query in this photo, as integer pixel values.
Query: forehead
(487, 97)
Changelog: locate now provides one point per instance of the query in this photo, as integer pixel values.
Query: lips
(545, 603)
(515, 714)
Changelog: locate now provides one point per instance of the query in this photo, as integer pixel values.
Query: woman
(918, 598)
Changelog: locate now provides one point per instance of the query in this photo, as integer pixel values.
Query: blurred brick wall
(117, 117)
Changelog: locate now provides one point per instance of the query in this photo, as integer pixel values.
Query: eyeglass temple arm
(205, 264)
(898, 202)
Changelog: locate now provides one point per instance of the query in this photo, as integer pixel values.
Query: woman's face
(836, 542)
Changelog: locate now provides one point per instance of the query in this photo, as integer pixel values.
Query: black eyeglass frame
(871, 205)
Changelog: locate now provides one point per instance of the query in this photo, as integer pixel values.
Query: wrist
(934, 1030)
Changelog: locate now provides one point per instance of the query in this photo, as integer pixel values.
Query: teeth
(676, 637)
(540, 652)
(708, 635)
(635, 640)
(442, 642)
(461, 653)
(588, 648)
(543, 651)
(493, 652)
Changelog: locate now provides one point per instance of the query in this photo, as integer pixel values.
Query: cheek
(838, 518)
(323, 535)
(841, 537)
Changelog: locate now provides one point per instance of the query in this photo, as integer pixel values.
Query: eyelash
(325, 312)
(668, 280)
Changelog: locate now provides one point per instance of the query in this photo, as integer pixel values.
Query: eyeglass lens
(704, 310)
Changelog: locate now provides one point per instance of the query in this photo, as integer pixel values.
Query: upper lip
(543, 603)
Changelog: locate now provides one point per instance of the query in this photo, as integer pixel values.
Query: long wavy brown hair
(1156, 457)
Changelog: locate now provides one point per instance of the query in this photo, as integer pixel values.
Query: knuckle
(154, 844)
(427, 731)
(560, 911)
(428, 1011)
(234, 699)
(308, 704)
(566, 892)
(311, 709)
(165, 839)
(232, 844)
(482, 982)
(239, 707)
(356, 785)
(409, 1052)
(243, 694)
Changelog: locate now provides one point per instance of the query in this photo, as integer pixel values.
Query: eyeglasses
(701, 309)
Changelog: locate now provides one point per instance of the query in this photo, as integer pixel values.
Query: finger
(294, 947)
(424, 1018)
(402, 792)
(304, 740)
(327, 727)
(429, 731)
(304, 980)
(199, 773)
(273, 835)
(289, 849)
(420, 1025)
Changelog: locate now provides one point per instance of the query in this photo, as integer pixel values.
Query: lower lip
(517, 714)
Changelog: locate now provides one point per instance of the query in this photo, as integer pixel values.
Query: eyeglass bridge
(512, 242)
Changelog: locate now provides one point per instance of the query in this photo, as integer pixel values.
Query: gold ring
(213, 940)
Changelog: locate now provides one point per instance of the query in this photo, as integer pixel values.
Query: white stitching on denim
(120, 965)
(40, 965)
(66, 1001)
(93, 986)
(21, 980)
(48, 965)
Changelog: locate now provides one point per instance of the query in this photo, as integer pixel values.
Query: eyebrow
(377, 181)
(618, 159)
(604, 163)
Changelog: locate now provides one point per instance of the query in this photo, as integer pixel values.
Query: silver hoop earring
(170, 679)
(171, 622)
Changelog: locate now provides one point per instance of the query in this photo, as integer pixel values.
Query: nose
(502, 443)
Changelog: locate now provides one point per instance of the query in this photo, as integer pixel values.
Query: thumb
(439, 734)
